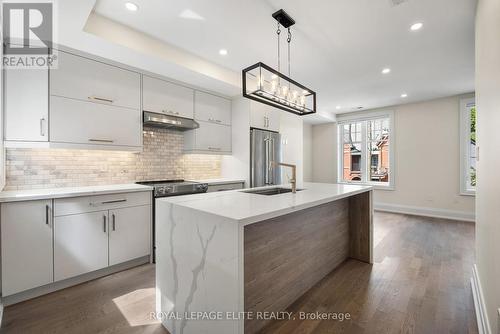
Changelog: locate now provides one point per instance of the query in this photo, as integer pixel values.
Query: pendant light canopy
(264, 84)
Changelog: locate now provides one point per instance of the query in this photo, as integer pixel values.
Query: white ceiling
(339, 47)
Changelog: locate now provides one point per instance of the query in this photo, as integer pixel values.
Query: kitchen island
(225, 259)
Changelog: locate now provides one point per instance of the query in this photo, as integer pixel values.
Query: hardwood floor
(419, 283)
(119, 303)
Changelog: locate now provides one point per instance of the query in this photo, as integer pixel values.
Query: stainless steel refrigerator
(265, 146)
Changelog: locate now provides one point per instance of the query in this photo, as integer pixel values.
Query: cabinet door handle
(114, 222)
(104, 223)
(47, 214)
(101, 140)
(100, 99)
(114, 201)
(42, 127)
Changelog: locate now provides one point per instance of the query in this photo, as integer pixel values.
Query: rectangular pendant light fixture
(264, 84)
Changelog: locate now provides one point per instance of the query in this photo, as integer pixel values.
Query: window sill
(471, 193)
(375, 186)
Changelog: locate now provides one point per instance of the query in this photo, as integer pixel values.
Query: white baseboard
(479, 305)
(426, 212)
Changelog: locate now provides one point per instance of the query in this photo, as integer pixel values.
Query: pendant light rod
(289, 39)
(278, 32)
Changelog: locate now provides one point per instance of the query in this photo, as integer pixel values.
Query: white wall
(426, 141)
(324, 141)
(488, 182)
(291, 129)
(237, 165)
(307, 155)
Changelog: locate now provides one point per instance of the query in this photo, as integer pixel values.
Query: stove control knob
(168, 189)
(160, 191)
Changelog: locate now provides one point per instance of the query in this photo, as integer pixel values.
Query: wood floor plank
(119, 303)
(419, 283)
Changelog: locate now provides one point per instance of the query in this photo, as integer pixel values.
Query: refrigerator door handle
(266, 161)
(273, 158)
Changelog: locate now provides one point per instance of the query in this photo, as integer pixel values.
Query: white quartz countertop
(26, 195)
(214, 182)
(247, 208)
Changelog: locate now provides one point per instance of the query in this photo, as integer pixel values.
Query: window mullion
(364, 154)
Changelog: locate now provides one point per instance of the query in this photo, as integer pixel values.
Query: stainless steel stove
(175, 187)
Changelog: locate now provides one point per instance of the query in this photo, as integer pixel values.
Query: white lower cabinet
(94, 232)
(80, 244)
(45, 241)
(129, 233)
(26, 245)
(225, 186)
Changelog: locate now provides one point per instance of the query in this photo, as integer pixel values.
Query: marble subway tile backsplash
(162, 158)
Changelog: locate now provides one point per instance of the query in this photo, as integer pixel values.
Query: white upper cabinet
(264, 117)
(26, 105)
(94, 104)
(89, 80)
(164, 97)
(26, 245)
(209, 138)
(83, 122)
(211, 108)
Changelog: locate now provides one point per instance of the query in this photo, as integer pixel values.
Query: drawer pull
(114, 201)
(100, 99)
(101, 140)
(214, 148)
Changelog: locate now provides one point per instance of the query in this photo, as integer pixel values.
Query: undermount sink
(272, 191)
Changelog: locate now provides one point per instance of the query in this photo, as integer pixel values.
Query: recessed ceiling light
(131, 6)
(223, 52)
(416, 26)
(386, 71)
(404, 95)
(338, 107)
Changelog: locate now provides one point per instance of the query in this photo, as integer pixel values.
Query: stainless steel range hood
(167, 121)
